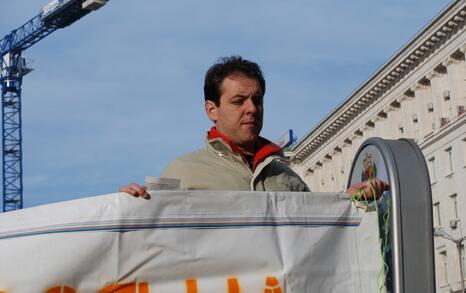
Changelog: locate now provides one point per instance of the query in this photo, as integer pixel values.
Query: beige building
(419, 93)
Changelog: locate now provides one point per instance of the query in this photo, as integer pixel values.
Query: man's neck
(249, 150)
(256, 152)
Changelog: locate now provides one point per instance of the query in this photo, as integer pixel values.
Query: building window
(437, 221)
(454, 206)
(449, 155)
(432, 171)
(442, 269)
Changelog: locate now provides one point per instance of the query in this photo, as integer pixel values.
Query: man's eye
(238, 102)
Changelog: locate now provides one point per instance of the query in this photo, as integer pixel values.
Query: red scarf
(263, 147)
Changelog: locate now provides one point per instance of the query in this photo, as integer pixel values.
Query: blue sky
(117, 95)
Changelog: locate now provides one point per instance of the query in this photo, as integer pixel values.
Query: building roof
(418, 49)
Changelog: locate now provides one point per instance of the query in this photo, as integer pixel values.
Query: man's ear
(211, 110)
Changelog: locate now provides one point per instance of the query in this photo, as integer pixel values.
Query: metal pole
(458, 245)
(439, 232)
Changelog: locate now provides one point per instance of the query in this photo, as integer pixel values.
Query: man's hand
(135, 190)
(368, 189)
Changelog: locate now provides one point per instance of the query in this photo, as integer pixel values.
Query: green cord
(360, 197)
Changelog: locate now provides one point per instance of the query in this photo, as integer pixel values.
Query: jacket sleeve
(296, 183)
(278, 176)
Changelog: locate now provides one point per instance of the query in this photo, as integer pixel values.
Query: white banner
(192, 241)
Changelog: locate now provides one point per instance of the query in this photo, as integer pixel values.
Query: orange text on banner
(191, 286)
(61, 289)
(125, 288)
(272, 285)
(233, 285)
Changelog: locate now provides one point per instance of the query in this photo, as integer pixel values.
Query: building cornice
(446, 25)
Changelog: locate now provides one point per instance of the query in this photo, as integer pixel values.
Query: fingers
(375, 188)
(355, 187)
(135, 190)
(370, 189)
(379, 186)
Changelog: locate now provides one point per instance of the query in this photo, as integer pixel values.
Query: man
(235, 156)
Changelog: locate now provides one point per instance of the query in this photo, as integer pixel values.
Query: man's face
(239, 115)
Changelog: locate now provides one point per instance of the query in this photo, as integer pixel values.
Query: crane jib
(57, 14)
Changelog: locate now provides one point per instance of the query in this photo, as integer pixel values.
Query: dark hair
(223, 68)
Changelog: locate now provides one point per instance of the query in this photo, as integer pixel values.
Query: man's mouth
(249, 123)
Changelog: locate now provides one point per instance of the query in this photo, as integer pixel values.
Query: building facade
(420, 93)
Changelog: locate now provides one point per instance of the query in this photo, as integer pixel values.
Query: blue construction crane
(13, 66)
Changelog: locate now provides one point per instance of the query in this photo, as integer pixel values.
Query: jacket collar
(263, 147)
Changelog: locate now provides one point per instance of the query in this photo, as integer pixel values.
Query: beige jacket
(217, 167)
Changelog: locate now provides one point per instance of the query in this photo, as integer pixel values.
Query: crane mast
(13, 66)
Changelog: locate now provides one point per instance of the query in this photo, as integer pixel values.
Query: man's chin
(251, 131)
(249, 139)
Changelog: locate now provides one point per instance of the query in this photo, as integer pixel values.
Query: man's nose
(251, 107)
